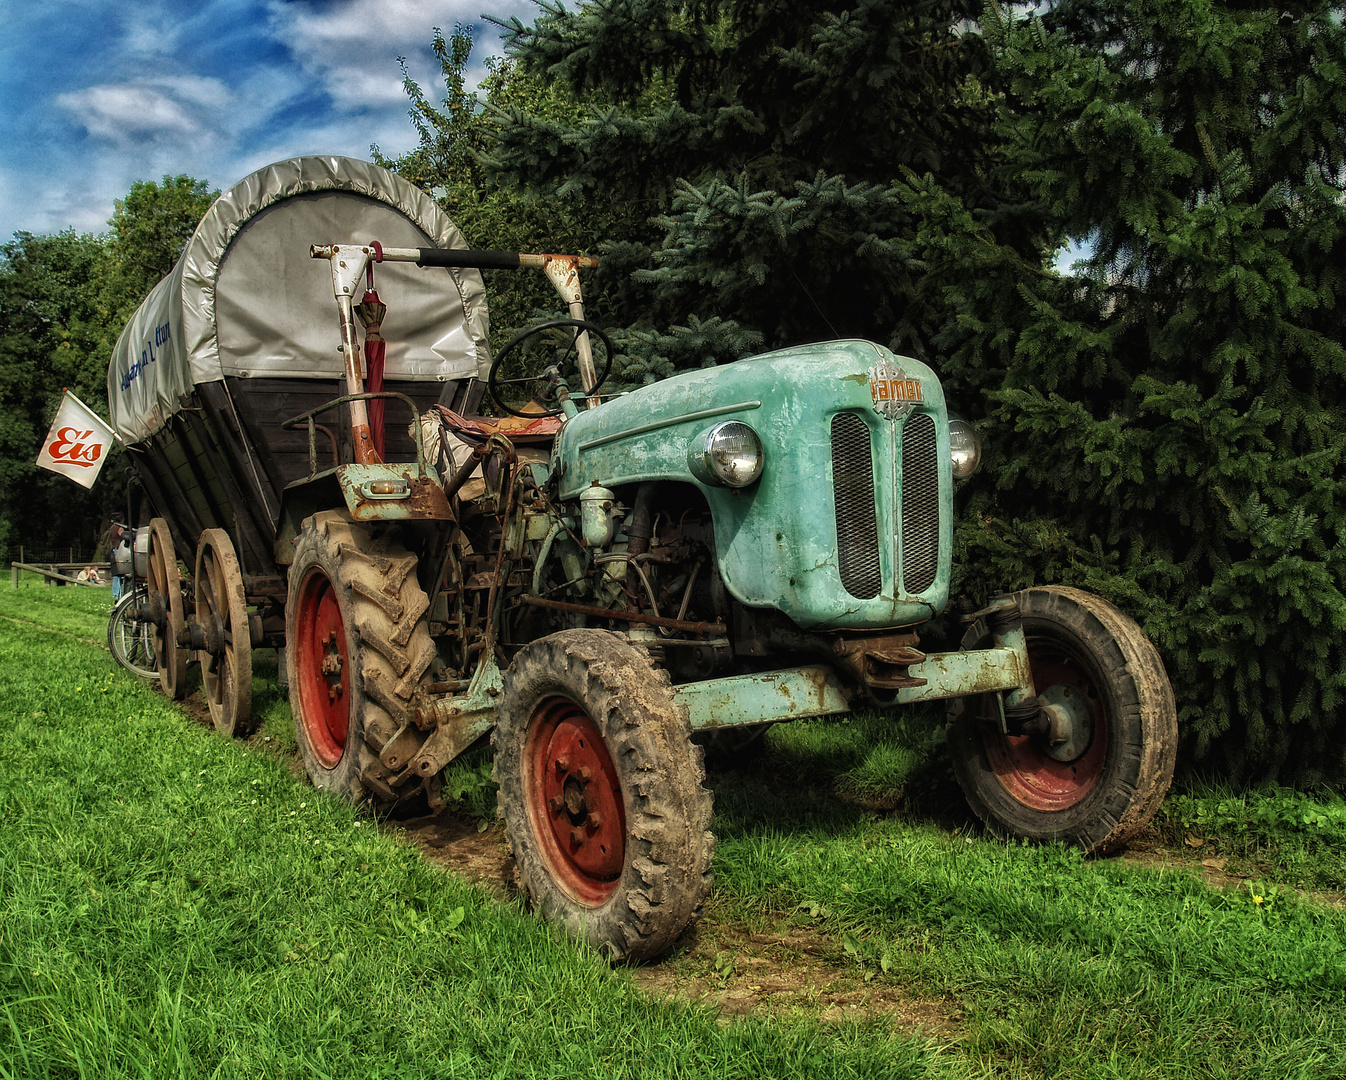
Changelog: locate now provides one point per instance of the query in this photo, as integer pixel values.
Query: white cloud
(155, 110)
(83, 204)
(351, 46)
(147, 32)
(213, 90)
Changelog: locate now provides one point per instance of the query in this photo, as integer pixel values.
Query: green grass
(1063, 966)
(175, 905)
(1296, 838)
(80, 610)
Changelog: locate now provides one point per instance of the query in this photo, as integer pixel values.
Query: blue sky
(96, 94)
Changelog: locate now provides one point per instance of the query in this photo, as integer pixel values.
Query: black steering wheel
(542, 386)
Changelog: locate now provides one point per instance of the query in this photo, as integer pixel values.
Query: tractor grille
(853, 488)
(920, 503)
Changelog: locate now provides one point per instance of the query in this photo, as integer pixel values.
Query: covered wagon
(242, 336)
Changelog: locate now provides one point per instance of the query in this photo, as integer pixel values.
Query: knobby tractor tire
(1106, 783)
(131, 642)
(601, 791)
(357, 645)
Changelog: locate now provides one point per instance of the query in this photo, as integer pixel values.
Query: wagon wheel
(221, 609)
(165, 602)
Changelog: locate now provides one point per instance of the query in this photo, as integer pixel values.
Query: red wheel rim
(574, 801)
(320, 656)
(1027, 771)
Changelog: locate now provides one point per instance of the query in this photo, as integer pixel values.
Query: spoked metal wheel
(130, 640)
(164, 604)
(601, 791)
(1100, 774)
(222, 612)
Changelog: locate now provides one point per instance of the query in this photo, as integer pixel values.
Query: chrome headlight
(964, 447)
(729, 454)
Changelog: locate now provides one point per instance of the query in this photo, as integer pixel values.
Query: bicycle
(129, 638)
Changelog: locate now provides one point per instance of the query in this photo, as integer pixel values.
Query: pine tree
(449, 163)
(755, 146)
(1172, 420)
(1164, 425)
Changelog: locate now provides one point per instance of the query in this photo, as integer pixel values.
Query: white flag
(78, 442)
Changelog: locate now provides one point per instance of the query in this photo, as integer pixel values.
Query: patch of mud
(790, 970)
(194, 705)
(737, 971)
(481, 855)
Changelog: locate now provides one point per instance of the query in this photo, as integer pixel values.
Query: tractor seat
(451, 437)
(520, 430)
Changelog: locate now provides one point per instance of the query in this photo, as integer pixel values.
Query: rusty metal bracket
(881, 663)
(458, 721)
(313, 428)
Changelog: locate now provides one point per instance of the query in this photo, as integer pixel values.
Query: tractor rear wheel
(357, 646)
(1104, 782)
(601, 790)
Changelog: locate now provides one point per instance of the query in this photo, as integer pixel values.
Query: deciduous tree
(63, 301)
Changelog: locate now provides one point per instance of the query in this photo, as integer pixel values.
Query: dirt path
(735, 969)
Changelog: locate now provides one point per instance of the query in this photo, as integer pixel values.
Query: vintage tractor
(595, 580)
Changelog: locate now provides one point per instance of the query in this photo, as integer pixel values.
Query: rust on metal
(744, 700)
(264, 585)
(881, 662)
(956, 674)
(466, 469)
(425, 500)
(716, 629)
(563, 272)
(401, 748)
(354, 400)
(456, 728)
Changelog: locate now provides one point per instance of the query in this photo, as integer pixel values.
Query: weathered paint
(976, 671)
(742, 700)
(424, 501)
(776, 540)
(795, 693)
(459, 721)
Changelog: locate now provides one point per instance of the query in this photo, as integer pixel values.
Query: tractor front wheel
(601, 790)
(1100, 780)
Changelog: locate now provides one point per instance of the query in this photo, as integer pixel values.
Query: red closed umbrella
(371, 311)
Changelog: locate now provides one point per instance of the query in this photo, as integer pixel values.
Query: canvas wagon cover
(246, 300)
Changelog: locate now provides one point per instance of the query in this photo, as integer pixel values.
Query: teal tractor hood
(777, 540)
